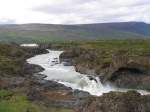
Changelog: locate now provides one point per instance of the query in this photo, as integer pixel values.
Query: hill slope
(50, 32)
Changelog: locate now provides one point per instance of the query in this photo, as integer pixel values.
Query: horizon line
(75, 24)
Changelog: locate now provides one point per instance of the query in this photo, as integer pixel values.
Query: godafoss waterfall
(56, 71)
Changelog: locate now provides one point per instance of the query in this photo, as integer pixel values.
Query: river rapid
(56, 71)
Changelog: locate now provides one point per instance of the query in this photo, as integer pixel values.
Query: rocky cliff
(121, 67)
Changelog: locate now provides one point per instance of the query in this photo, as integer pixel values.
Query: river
(56, 71)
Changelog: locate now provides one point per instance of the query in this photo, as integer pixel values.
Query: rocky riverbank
(26, 80)
(116, 102)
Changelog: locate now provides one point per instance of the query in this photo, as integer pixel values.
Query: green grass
(17, 104)
(14, 102)
(10, 56)
(132, 46)
(8, 66)
(10, 102)
(5, 93)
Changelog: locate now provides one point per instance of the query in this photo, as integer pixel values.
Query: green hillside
(48, 32)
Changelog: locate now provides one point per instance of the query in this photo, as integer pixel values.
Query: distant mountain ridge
(51, 32)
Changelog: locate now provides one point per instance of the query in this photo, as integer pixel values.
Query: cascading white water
(68, 76)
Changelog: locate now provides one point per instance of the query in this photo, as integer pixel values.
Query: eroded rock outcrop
(130, 72)
(121, 69)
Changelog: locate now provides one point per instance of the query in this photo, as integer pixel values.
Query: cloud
(75, 11)
(83, 11)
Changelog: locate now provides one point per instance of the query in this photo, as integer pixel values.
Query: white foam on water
(69, 77)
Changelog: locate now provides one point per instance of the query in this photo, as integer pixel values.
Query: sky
(73, 11)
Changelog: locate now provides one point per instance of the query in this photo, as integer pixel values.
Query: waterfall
(94, 87)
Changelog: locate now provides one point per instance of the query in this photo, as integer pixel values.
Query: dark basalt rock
(52, 93)
(31, 69)
(116, 102)
(11, 82)
(66, 57)
(130, 78)
(92, 78)
(80, 94)
(130, 73)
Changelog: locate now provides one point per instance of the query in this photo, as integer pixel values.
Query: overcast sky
(73, 11)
